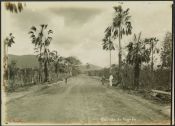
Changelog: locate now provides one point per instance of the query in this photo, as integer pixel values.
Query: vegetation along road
(82, 100)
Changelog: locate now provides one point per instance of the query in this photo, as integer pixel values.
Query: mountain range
(24, 61)
(31, 61)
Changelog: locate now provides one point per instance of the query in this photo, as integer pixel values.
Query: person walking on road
(103, 80)
(66, 78)
(110, 80)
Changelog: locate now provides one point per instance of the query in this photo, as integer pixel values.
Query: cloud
(76, 16)
(88, 34)
(28, 18)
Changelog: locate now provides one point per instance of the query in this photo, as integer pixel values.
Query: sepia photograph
(87, 63)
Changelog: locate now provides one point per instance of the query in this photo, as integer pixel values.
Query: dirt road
(83, 100)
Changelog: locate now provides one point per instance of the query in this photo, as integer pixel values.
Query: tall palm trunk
(57, 71)
(152, 64)
(136, 75)
(45, 71)
(40, 71)
(119, 56)
(71, 70)
(152, 58)
(5, 82)
(110, 60)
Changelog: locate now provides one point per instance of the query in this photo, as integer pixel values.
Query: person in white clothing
(110, 80)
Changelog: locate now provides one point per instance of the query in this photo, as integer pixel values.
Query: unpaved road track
(82, 101)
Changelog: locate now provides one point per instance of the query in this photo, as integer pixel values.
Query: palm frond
(46, 26)
(33, 28)
(30, 32)
(42, 26)
(50, 31)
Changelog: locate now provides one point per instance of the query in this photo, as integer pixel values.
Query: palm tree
(58, 62)
(14, 7)
(47, 57)
(166, 51)
(41, 38)
(137, 54)
(108, 44)
(7, 43)
(121, 25)
(152, 42)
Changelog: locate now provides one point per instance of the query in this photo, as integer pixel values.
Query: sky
(79, 26)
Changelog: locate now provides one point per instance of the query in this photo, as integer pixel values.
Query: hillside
(30, 61)
(89, 67)
(24, 61)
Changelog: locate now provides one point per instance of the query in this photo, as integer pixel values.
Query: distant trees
(73, 60)
(72, 65)
(137, 54)
(41, 38)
